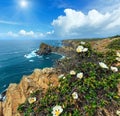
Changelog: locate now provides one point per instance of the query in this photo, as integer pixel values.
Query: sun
(23, 3)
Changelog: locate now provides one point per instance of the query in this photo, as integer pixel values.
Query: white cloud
(94, 23)
(31, 34)
(22, 34)
(25, 33)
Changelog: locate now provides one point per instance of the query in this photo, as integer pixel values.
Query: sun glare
(23, 3)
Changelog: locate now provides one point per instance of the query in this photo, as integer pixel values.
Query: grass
(96, 90)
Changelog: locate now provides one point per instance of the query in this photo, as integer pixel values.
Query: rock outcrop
(17, 94)
(44, 49)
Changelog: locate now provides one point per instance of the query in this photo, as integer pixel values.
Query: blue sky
(53, 19)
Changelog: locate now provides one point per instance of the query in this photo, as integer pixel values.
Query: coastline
(26, 85)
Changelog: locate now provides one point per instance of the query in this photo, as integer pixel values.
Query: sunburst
(23, 3)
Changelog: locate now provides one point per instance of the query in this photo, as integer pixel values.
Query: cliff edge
(17, 94)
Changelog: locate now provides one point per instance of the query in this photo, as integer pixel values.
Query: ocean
(18, 58)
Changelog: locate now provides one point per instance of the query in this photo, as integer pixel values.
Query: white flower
(118, 54)
(79, 49)
(60, 76)
(103, 65)
(75, 95)
(85, 50)
(72, 72)
(57, 110)
(80, 75)
(64, 77)
(118, 59)
(82, 43)
(114, 69)
(31, 91)
(118, 112)
(31, 100)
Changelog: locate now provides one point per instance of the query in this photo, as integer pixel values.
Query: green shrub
(115, 44)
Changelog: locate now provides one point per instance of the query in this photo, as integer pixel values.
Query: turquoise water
(17, 58)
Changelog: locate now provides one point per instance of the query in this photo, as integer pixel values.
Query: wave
(31, 55)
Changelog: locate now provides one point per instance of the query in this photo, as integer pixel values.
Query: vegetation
(115, 44)
(87, 88)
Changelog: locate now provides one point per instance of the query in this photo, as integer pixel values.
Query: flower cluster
(103, 65)
(80, 49)
(79, 75)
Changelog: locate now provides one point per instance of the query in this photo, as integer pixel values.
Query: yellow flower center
(57, 112)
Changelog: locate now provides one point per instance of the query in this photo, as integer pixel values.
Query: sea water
(18, 58)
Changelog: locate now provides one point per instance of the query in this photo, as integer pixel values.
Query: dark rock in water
(3, 95)
(44, 49)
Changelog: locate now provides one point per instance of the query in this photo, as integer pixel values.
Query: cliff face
(17, 94)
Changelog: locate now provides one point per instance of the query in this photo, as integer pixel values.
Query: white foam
(31, 55)
(63, 57)
(31, 60)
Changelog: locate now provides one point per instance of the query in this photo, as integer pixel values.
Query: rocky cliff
(17, 94)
